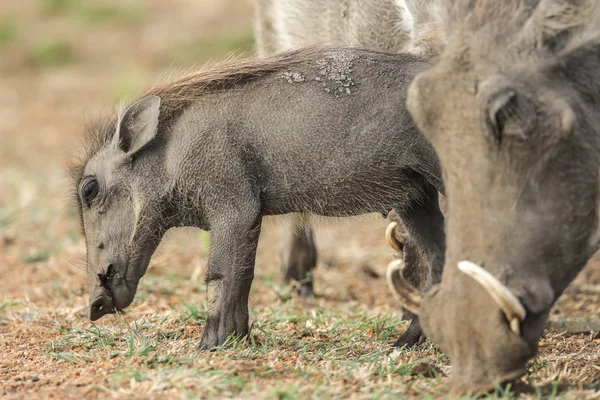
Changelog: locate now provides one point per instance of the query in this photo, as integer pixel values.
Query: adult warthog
(314, 130)
(511, 108)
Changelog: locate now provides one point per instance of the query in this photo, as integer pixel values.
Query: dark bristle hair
(178, 94)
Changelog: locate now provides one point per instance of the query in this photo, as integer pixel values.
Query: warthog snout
(111, 299)
(111, 293)
(485, 333)
(101, 306)
(101, 302)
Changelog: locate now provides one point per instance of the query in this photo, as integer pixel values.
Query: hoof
(413, 336)
(306, 291)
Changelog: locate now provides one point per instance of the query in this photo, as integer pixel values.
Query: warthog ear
(506, 111)
(138, 125)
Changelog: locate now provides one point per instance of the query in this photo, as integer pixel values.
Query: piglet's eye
(90, 191)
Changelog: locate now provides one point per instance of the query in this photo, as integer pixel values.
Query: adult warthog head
(511, 107)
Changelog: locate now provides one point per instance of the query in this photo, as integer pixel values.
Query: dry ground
(64, 60)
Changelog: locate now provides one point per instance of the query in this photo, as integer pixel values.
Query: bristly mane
(511, 31)
(178, 94)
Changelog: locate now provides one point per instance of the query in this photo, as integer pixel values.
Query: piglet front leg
(230, 273)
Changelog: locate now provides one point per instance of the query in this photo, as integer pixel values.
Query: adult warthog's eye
(90, 191)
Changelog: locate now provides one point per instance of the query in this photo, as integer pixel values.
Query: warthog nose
(100, 307)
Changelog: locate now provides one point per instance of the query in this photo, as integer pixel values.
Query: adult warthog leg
(263, 28)
(299, 254)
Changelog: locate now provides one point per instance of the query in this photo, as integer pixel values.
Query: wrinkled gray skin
(286, 24)
(325, 132)
(383, 25)
(517, 134)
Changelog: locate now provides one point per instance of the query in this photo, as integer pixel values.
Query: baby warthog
(381, 25)
(288, 24)
(322, 131)
(511, 108)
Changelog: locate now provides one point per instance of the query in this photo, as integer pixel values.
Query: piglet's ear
(138, 125)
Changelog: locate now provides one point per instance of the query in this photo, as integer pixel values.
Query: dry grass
(336, 346)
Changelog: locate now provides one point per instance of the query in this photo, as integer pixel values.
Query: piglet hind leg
(424, 248)
(299, 254)
(229, 278)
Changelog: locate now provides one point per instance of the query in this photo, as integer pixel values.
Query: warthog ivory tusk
(404, 292)
(389, 236)
(508, 302)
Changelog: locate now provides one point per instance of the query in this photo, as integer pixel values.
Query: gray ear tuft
(138, 125)
(498, 110)
(553, 20)
(507, 112)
